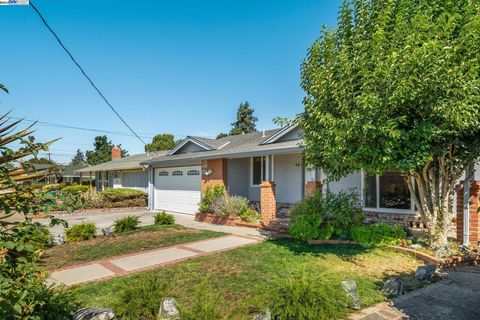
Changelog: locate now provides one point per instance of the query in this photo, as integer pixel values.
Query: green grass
(149, 237)
(240, 281)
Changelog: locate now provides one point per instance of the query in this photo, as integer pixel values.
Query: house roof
(127, 163)
(244, 145)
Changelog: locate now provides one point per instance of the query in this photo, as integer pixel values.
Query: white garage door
(178, 189)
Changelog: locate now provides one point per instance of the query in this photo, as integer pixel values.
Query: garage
(178, 189)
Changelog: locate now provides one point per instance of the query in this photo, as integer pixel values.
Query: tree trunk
(431, 188)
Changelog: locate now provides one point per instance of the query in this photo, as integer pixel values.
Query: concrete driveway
(106, 219)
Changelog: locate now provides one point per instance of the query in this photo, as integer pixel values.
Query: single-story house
(60, 173)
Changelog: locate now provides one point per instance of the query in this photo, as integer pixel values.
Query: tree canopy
(395, 86)
(102, 151)
(161, 142)
(246, 121)
(78, 159)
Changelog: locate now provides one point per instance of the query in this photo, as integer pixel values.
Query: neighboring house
(120, 172)
(60, 173)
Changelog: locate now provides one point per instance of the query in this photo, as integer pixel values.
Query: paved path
(131, 263)
(455, 298)
(106, 219)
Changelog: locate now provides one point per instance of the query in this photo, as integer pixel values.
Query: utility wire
(83, 71)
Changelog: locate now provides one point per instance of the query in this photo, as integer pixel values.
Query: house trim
(192, 140)
(279, 134)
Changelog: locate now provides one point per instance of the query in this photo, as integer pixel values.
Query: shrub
(343, 211)
(309, 205)
(75, 189)
(53, 187)
(378, 234)
(229, 206)
(81, 232)
(306, 227)
(164, 218)
(250, 215)
(34, 234)
(128, 223)
(307, 295)
(121, 194)
(211, 193)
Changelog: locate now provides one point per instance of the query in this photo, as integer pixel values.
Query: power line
(83, 71)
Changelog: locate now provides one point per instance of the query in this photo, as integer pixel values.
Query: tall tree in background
(245, 122)
(78, 159)
(161, 142)
(102, 151)
(396, 87)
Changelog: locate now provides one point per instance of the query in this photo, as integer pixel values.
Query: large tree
(245, 122)
(161, 142)
(78, 159)
(395, 86)
(102, 151)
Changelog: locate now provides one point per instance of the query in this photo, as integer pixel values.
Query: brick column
(268, 201)
(311, 187)
(218, 175)
(474, 214)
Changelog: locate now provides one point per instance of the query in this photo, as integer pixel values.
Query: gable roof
(128, 163)
(279, 134)
(201, 142)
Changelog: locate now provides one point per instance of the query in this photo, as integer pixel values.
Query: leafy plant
(164, 218)
(210, 194)
(381, 233)
(81, 232)
(32, 233)
(309, 206)
(307, 295)
(306, 227)
(227, 205)
(128, 223)
(343, 211)
(121, 194)
(250, 215)
(75, 189)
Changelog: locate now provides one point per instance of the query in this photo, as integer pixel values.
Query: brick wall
(474, 212)
(311, 187)
(459, 218)
(405, 220)
(268, 202)
(218, 175)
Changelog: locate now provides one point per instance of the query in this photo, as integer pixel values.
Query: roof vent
(263, 134)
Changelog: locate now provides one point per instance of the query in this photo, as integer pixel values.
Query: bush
(53, 187)
(121, 194)
(128, 223)
(250, 215)
(229, 206)
(309, 205)
(307, 295)
(75, 189)
(343, 211)
(34, 234)
(309, 227)
(378, 234)
(81, 232)
(164, 218)
(211, 193)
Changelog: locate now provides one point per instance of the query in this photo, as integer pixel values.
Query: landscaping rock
(169, 309)
(58, 239)
(393, 286)
(464, 249)
(415, 246)
(425, 272)
(107, 232)
(264, 315)
(94, 314)
(350, 288)
(444, 252)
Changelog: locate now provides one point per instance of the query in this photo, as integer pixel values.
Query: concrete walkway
(131, 263)
(455, 298)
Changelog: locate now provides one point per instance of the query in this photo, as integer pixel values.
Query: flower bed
(227, 221)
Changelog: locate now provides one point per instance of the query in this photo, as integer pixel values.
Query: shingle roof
(130, 162)
(238, 146)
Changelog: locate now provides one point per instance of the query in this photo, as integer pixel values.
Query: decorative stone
(58, 239)
(94, 314)
(264, 315)
(169, 309)
(393, 286)
(350, 288)
(415, 246)
(444, 252)
(107, 232)
(425, 272)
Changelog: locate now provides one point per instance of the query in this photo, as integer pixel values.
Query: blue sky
(180, 67)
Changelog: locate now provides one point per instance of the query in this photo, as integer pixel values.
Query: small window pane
(163, 173)
(370, 191)
(257, 171)
(193, 173)
(177, 173)
(394, 191)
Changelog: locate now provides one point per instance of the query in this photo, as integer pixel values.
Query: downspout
(469, 173)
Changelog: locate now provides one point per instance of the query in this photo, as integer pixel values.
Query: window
(177, 173)
(258, 170)
(193, 173)
(389, 191)
(163, 173)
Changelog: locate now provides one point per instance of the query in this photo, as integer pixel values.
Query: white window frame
(378, 208)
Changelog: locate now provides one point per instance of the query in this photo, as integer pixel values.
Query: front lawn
(238, 283)
(149, 237)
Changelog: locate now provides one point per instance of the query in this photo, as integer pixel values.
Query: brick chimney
(116, 153)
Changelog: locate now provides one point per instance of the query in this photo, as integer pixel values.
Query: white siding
(288, 177)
